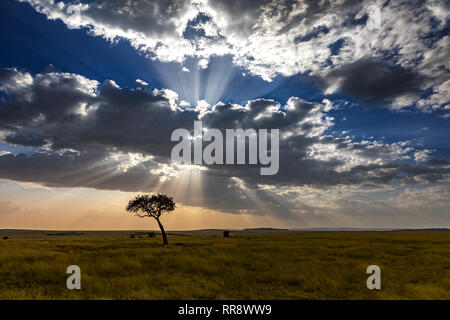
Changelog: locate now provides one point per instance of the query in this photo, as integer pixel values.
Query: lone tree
(152, 206)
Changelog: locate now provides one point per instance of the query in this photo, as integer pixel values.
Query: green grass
(289, 265)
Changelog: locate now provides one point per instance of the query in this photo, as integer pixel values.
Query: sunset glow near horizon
(90, 94)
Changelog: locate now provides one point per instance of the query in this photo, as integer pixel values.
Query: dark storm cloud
(54, 96)
(373, 82)
(51, 109)
(26, 137)
(259, 114)
(7, 74)
(87, 130)
(438, 162)
(127, 119)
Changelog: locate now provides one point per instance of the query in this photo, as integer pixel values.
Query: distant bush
(132, 236)
(5, 238)
(226, 234)
(151, 234)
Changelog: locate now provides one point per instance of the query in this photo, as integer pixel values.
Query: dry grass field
(204, 265)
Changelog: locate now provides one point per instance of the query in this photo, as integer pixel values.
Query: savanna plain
(205, 265)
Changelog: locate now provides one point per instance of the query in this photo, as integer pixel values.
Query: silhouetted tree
(152, 206)
(226, 234)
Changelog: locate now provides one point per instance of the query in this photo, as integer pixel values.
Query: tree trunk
(162, 232)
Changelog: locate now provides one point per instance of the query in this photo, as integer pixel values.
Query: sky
(90, 92)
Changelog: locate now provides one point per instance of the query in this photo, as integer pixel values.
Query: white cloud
(438, 99)
(422, 155)
(141, 82)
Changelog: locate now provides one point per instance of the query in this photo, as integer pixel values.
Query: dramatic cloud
(87, 134)
(329, 40)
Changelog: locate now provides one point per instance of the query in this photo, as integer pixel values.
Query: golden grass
(290, 265)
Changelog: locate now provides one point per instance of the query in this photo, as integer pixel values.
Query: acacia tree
(152, 206)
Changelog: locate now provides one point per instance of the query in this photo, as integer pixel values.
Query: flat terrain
(203, 265)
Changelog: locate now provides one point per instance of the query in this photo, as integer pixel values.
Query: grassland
(285, 265)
